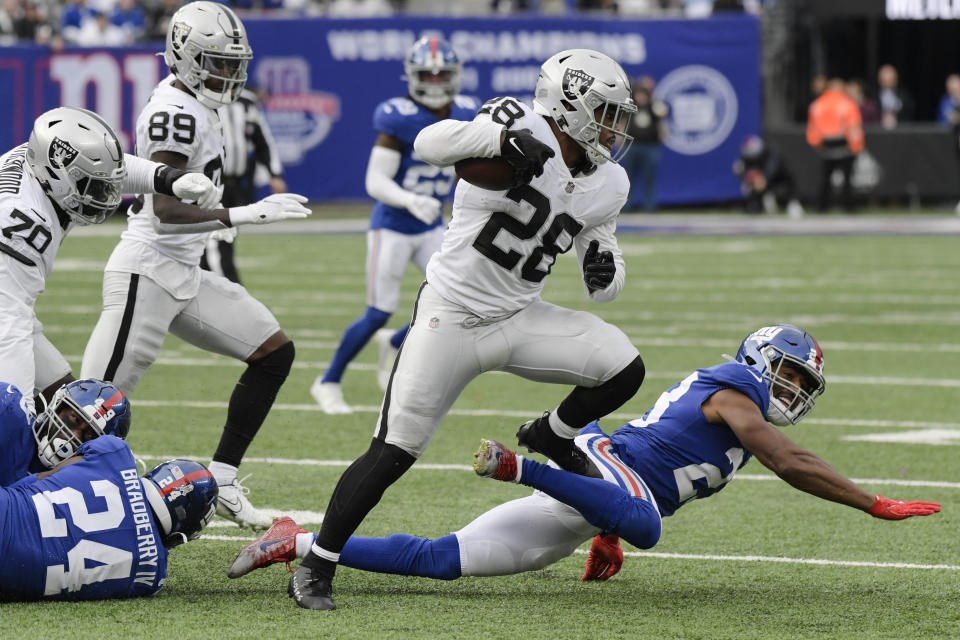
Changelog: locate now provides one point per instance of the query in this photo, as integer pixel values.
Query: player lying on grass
(688, 445)
(78, 412)
(94, 529)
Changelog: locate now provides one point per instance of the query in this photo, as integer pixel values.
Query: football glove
(605, 558)
(525, 154)
(900, 509)
(423, 208)
(194, 187)
(598, 267)
(279, 206)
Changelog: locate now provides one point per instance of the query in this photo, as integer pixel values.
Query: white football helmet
(588, 95)
(432, 71)
(78, 160)
(207, 50)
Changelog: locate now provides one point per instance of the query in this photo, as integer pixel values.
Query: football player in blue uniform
(406, 225)
(78, 412)
(94, 529)
(689, 445)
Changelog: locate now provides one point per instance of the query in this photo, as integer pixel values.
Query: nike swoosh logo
(513, 142)
(759, 379)
(178, 106)
(9, 388)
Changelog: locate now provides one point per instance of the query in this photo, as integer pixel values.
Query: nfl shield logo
(576, 83)
(569, 188)
(434, 322)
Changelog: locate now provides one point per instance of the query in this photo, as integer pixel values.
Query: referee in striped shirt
(247, 144)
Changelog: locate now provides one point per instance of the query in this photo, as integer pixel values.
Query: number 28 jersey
(678, 453)
(30, 230)
(175, 121)
(500, 245)
(84, 533)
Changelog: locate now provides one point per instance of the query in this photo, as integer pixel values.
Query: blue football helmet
(79, 411)
(183, 496)
(766, 350)
(432, 71)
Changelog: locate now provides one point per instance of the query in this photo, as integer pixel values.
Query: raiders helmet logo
(61, 153)
(179, 34)
(576, 83)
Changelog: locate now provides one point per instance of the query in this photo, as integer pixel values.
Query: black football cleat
(311, 590)
(537, 436)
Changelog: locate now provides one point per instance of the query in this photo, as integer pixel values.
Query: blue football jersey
(18, 449)
(675, 450)
(84, 533)
(403, 119)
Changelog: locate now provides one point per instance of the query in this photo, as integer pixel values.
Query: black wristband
(164, 178)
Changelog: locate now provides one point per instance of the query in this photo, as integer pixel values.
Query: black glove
(525, 154)
(598, 267)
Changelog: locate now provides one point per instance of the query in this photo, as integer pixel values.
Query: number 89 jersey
(175, 121)
(500, 245)
(84, 533)
(30, 230)
(402, 118)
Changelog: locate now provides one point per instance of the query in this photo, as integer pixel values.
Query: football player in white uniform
(71, 172)
(480, 308)
(153, 283)
(406, 225)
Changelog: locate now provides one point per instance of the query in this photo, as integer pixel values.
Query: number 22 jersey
(84, 533)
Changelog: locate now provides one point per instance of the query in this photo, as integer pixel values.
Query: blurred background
(725, 86)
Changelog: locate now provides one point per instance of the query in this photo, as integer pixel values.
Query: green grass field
(759, 560)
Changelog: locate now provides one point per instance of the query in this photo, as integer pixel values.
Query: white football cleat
(232, 504)
(330, 397)
(386, 355)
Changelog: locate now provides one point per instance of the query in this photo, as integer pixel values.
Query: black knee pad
(629, 379)
(278, 362)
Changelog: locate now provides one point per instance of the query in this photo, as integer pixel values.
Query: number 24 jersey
(84, 533)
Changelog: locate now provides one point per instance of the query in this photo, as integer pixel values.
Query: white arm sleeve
(383, 165)
(444, 143)
(140, 174)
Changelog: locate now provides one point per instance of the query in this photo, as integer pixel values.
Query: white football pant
(388, 253)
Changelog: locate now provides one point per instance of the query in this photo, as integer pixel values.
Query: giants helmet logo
(576, 83)
(61, 153)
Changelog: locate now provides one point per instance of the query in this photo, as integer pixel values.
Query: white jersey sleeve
(501, 245)
(174, 121)
(448, 141)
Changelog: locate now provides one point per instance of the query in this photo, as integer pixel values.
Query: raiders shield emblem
(576, 83)
(61, 154)
(179, 35)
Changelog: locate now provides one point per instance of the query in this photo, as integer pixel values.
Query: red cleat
(278, 544)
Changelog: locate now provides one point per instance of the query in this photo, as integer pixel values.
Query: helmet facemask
(789, 401)
(432, 71)
(78, 161)
(207, 50)
(588, 96)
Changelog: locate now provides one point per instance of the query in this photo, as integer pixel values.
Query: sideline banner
(325, 77)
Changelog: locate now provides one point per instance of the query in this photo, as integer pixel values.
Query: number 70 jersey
(84, 533)
(500, 245)
(30, 230)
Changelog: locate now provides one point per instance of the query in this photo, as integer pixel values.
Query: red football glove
(900, 509)
(605, 558)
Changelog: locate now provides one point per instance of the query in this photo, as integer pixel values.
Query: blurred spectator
(642, 161)
(948, 113)
(158, 18)
(834, 129)
(697, 8)
(765, 182)
(96, 30)
(869, 111)
(128, 15)
(896, 105)
(597, 5)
